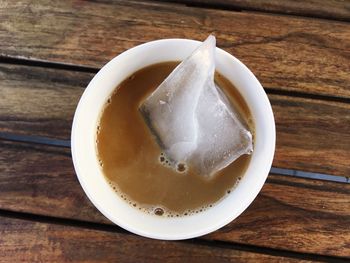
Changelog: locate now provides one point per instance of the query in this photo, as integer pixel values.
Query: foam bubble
(181, 167)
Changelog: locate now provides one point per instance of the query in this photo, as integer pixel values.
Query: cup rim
(79, 113)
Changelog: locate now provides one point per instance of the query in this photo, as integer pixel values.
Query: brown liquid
(132, 161)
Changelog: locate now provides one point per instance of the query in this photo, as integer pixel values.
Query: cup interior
(103, 196)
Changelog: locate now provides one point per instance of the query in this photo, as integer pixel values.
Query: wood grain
(303, 215)
(313, 216)
(39, 101)
(312, 135)
(21, 242)
(331, 9)
(287, 53)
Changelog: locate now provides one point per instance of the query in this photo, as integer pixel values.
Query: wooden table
(300, 52)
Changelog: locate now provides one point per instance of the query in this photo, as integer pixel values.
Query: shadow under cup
(104, 197)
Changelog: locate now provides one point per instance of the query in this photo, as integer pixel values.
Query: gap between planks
(312, 216)
(219, 244)
(275, 170)
(261, 40)
(239, 7)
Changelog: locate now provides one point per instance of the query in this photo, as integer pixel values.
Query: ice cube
(192, 119)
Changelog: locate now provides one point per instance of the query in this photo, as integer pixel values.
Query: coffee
(133, 163)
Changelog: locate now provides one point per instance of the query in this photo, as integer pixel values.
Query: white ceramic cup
(120, 212)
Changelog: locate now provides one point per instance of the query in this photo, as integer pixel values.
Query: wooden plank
(44, 178)
(28, 241)
(331, 9)
(305, 214)
(39, 101)
(287, 53)
(312, 215)
(312, 135)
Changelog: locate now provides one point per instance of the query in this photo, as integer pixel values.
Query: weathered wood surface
(290, 213)
(39, 101)
(28, 241)
(331, 9)
(303, 215)
(288, 53)
(294, 56)
(312, 135)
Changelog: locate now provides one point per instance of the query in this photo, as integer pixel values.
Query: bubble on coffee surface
(181, 167)
(159, 211)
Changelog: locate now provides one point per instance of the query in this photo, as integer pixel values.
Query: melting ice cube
(191, 118)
